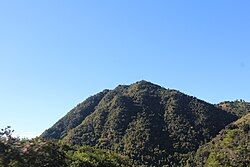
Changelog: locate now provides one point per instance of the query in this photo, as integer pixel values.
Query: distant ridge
(238, 107)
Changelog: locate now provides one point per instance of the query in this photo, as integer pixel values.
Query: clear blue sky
(54, 54)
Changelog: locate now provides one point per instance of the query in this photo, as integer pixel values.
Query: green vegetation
(47, 153)
(92, 157)
(230, 148)
(154, 126)
(139, 125)
(74, 117)
(238, 107)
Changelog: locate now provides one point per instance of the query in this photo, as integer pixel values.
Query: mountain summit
(150, 124)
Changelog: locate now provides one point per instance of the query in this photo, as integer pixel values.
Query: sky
(54, 54)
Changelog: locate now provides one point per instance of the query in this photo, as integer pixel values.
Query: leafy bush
(47, 153)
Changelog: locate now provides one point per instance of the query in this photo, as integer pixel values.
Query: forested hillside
(154, 126)
(238, 107)
(231, 147)
(138, 125)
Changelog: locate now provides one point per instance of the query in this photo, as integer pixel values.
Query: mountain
(238, 107)
(74, 117)
(229, 148)
(154, 126)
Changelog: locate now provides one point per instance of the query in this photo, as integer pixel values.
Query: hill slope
(151, 124)
(230, 148)
(238, 107)
(74, 117)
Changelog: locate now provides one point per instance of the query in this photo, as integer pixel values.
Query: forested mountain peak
(151, 124)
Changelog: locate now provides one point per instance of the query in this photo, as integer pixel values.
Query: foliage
(229, 148)
(92, 157)
(154, 126)
(47, 153)
(22, 153)
(144, 125)
(238, 107)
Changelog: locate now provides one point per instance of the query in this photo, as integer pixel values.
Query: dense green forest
(142, 125)
(38, 152)
(231, 147)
